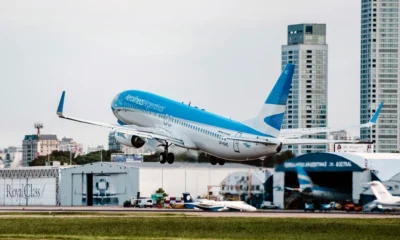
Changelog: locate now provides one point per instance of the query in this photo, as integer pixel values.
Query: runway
(143, 212)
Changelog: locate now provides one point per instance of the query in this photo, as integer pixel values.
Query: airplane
(385, 201)
(214, 206)
(142, 116)
(309, 190)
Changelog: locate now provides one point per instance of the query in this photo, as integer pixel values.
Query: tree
(62, 157)
(164, 195)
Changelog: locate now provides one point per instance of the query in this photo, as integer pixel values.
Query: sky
(223, 56)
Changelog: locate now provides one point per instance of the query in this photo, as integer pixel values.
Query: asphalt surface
(260, 213)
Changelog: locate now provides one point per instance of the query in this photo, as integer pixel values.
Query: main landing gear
(215, 160)
(166, 156)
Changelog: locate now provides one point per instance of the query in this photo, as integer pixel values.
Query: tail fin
(380, 191)
(187, 198)
(269, 119)
(304, 180)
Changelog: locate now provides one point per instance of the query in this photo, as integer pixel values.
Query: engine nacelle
(129, 140)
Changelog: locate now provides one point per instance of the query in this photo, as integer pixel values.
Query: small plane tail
(380, 191)
(269, 119)
(187, 198)
(304, 180)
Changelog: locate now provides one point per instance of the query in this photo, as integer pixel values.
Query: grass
(185, 227)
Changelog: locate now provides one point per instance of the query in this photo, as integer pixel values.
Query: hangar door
(99, 189)
(339, 181)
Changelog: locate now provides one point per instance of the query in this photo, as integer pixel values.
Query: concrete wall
(175, 181)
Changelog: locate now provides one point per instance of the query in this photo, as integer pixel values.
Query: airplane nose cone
(114, 103)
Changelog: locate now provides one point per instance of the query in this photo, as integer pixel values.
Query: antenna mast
(38, 126)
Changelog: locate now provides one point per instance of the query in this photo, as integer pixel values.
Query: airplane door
(236, 143)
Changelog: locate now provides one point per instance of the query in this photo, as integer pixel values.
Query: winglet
(376, 114)
(61, 105)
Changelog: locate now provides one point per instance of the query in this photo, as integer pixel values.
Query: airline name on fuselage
(145, 103)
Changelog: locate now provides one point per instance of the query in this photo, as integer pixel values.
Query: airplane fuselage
(327, 194)
(198, 129)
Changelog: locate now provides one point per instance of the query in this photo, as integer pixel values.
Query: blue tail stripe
(301, 171)
(302, 181)
(275, 121)
(280, 92)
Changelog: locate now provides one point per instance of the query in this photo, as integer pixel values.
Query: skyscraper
(379, 72)
(307, 102)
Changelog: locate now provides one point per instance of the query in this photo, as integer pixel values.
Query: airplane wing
(291, 133)
(149, 133)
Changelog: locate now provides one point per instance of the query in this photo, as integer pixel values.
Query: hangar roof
(385, 165)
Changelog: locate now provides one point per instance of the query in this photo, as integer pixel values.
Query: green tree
(62, 157)
(164, 195)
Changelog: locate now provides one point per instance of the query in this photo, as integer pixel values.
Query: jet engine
(129, 140)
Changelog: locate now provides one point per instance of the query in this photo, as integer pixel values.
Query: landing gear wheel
(221, 161)
(162, 158)
(213, 160)
(170, 158)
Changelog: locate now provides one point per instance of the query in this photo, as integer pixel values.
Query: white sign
(28, 191)
(354, 148)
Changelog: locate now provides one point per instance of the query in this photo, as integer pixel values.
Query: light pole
(70, 146)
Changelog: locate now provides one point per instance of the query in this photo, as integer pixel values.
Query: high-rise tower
(379, 73)
(307, 103)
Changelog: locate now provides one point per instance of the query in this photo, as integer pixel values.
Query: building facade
(341, 135)
(307, 102)
(13, 157)
(379, 72)
(113, 144)
(30, 147)
(68, 144)
(95, 149)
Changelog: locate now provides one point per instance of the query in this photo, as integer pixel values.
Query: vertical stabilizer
(269, 119)
(304, 180)
(380, 191)
(187, 198)
(188, 201)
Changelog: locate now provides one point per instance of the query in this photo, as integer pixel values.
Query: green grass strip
(136, 227)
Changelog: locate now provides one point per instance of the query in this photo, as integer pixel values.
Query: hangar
(110, 183)
(349, 172)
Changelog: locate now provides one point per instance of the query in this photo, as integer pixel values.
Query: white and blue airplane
(309, 190)
(385, 201)
(143, 116)
(216, 206)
